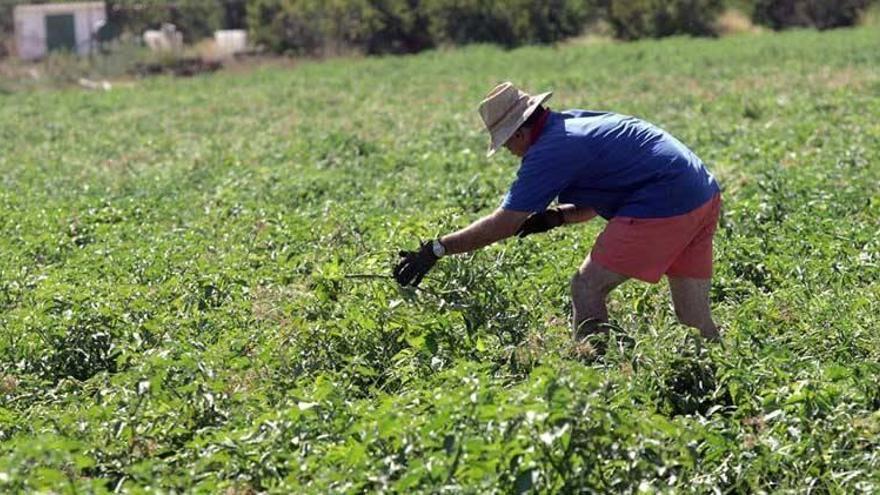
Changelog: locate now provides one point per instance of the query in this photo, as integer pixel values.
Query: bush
(508, 23)
(408, 26)
(396, 26)
(634, 19)
(821, 14)
(311, 27)
(196, 19)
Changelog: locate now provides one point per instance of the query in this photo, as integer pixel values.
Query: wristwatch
(438, 248)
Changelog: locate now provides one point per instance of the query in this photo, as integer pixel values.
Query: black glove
(415, 264)
(541, 222)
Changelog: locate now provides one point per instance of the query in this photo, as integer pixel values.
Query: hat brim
(497, 139)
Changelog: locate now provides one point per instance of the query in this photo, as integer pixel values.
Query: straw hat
(504, 109)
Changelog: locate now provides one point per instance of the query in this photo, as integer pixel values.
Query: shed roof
(50, 8)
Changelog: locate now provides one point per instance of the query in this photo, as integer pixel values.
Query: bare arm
(499, 225)
(494, 227)
(573, 214)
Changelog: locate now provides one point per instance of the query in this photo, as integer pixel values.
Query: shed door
(60, 32)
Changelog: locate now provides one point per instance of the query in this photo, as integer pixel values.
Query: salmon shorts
(648, 248)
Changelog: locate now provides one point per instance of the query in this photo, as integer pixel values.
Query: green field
(189, 299)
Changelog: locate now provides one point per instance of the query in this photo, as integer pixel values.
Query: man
(661, 203)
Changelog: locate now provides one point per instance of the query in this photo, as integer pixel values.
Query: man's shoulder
(568, 133)
(556, 145)
(583, 122)
(578, 113)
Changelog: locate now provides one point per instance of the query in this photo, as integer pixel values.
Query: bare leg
(589, 290)
(690, 296)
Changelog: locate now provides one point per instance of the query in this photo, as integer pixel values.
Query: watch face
(438, 248)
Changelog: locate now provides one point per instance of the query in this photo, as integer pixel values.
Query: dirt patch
(182, 67)
(732, 22)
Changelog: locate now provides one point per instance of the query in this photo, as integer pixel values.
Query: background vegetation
(406, 26)
(194, 294)
(331, 27)
(821, 14)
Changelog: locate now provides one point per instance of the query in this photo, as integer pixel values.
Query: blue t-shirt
(615, 164)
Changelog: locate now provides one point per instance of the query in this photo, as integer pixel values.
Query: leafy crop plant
(180, 310)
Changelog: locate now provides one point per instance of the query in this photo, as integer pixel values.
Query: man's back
(619, 165)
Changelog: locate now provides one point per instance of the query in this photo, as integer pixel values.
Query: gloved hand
(415, 264)
(541, 222)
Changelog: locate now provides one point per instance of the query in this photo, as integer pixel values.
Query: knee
(588, 286)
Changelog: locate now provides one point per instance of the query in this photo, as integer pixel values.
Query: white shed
(230, 41)
(42, 28)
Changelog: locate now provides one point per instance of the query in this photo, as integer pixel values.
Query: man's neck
(538, 128)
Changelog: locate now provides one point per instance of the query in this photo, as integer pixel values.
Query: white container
(230, 41)
(167, 39)
(39, 28)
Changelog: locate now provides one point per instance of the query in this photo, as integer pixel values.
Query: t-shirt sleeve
(540, 179)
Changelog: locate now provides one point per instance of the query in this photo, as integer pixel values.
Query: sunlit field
(196, 290)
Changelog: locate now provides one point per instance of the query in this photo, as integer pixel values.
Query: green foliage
(396, 26)
(507, 23)
(306, 26)
(196, 19)
(634, 19)
(195, 292)
(821, 14)
(408, 26)
(120, 61)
